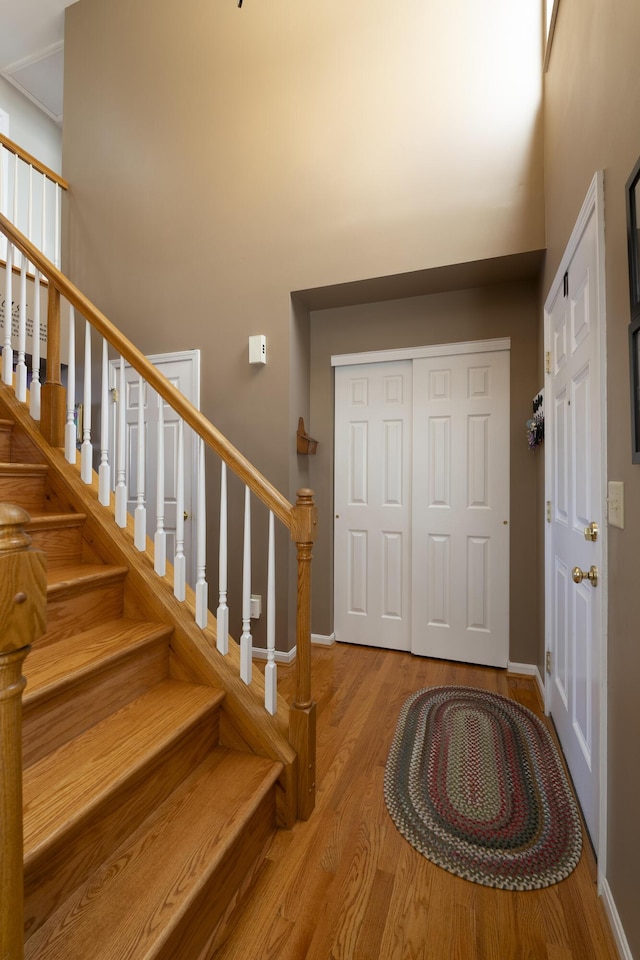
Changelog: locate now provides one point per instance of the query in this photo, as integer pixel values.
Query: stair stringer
(193, 651)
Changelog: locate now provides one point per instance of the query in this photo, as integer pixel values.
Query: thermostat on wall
(258, 349)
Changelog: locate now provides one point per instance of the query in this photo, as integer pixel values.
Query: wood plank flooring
(346, 886)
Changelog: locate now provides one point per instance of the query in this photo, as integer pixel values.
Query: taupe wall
(499, 310)
(221, 158)
(592, 105)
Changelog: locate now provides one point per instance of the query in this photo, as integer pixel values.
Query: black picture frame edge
(634, 381)
(633, 250)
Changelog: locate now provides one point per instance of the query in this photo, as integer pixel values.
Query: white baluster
(121, 471)
(202, 587)
(179, 563)
(43, 226)
(270, 671)
(160, 538)
(140, 515)
(17, 257)
(70, 424)
(104, 473)
(222, 615)
(246, 640)
(30, 211)
(86, 451)
(21, 367)
(34, 393)
(3, 198)
(56, 236)
(7, 350)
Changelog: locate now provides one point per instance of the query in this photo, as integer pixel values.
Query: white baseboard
(259, 653)
(614, 919)
(527, 670)
(325, 641)
(282, 656)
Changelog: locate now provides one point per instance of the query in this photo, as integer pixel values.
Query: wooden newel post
(22, 619)
(53, 402)
(302, 713)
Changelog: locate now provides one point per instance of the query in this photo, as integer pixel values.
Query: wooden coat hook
(305, 443)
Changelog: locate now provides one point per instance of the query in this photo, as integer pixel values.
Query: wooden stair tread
(64, 663)
(41, 520)
(23, 469)
(61, 579)
(65, 785)
(133, 904)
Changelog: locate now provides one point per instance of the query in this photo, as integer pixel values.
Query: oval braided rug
(474, 782)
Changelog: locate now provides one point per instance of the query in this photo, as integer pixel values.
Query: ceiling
(31, 50)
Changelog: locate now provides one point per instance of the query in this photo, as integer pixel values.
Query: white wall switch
(258, 349)
(615, 503)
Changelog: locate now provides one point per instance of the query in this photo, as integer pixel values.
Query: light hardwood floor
(346, 886)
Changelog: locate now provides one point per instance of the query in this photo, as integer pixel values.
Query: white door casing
(183, 372)
(421, 558)
(576, 494)
(461, 508)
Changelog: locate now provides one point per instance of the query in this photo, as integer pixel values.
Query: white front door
(373, 504)
(461, 508)
(576, 495)
(183, 372)
(421, 558)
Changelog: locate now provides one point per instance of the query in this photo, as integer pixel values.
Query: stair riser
(5, 446)
(48, 724)
(57, 870)
(209, 912)
(62, 545)
(72, 612)
(27, 491)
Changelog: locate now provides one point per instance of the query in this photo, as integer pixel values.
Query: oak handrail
(33, 162)
(256, 482)
(22, 620)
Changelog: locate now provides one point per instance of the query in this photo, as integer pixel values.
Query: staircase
(141, 830)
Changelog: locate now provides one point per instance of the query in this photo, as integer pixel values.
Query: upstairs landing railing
(57, 424)
(31, 200)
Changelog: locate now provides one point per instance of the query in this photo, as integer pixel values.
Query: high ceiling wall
(221, 158)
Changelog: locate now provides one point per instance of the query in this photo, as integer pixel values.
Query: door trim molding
(417, 353)
(593, 202)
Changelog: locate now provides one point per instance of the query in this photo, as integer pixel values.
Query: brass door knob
(580, 575)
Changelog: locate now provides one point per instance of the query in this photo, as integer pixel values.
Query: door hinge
(565, 284)
(548, 361)
(548, 511)
(548, 661)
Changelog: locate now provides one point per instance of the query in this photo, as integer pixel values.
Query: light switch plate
(615, 503)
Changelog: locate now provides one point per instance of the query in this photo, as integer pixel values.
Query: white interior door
(421, 557)
(575, 489)
(372, 594)
(183, 371)
(461, 508)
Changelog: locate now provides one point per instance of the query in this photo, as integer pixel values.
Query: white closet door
(372, 504)
(460, 581)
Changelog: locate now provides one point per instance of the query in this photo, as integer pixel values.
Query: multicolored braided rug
(474, 782)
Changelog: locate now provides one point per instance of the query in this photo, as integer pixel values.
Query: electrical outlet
(256, 606)
(615, 503)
